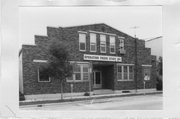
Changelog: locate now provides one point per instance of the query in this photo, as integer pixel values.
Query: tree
(159, 74)
(58, 66)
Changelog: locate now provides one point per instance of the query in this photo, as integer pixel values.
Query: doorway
(97, 79)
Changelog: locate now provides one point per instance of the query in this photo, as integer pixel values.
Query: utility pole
(136, 61)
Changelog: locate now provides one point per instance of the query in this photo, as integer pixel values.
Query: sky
(34, 20)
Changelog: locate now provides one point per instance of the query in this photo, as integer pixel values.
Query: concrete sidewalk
(79, 98)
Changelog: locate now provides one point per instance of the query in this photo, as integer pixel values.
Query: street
(143, 102)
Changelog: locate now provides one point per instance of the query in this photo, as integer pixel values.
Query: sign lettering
(102, 58)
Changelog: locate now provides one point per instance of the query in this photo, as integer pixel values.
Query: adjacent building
(156, 46)
(103, 58)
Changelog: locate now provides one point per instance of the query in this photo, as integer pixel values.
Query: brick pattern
(70, 38)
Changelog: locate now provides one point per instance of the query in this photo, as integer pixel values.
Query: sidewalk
(79, 98)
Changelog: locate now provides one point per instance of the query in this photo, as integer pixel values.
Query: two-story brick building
(104, 58)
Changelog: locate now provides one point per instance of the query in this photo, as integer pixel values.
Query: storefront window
(81, 72)
(125, 72)
(92, 42)
(82, 42)
(103, 43)
(112, 44)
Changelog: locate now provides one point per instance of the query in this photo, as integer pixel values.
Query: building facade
(103, 58)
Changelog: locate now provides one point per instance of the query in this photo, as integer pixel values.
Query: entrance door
(97, 82)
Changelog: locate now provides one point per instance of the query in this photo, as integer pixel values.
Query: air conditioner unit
(122, 51)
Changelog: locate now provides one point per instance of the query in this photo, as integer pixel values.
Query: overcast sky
(34, 20)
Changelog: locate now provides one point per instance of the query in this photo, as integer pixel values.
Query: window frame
(121, 43)
(82, 65)
(112, 44)
(102, 43)
(93, 43)
(82, 42)
(122, 72)
(39, 77)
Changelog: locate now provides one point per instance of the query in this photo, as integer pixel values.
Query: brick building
(105, 58)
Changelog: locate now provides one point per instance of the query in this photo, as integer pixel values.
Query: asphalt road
(143, 102)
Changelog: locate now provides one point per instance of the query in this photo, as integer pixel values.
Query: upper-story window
(102, 43)
(82, 41)
(121, 44)
(92, 42)
(112, 44)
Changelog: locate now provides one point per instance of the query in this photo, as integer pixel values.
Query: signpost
(146, 78)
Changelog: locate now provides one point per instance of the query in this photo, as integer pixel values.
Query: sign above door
(102, 58)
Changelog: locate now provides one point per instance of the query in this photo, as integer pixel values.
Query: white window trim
(114, 44)
(81, 71)
(93, 43)
(82, 42)
(43, 81)
(103, 44)
(122, 71)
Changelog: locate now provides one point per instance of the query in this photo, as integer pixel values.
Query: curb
(85, 98)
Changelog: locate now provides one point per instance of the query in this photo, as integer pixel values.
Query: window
(82, 42)
(77, 72)
(43, 75)
(121, 44)
(92, 42)
(112, 44)
(80, 72)
(125, 72)
(85, 73)
(103, 43)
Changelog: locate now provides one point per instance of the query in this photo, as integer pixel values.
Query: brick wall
(69, 37)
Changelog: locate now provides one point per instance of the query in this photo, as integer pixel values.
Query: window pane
(131, 76)
(125, 73)
(77, 76)
(82, 38)
(125, 69)
(112, 48)
(85, 76)
(77, 68)
(125, 76)
(82, 46)
(103, 48)
(92, 38)
(43, 76)
(131, 69)
(102, 38)
(119, 68)
(85, 69)
(112, 40)
(93, 47)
